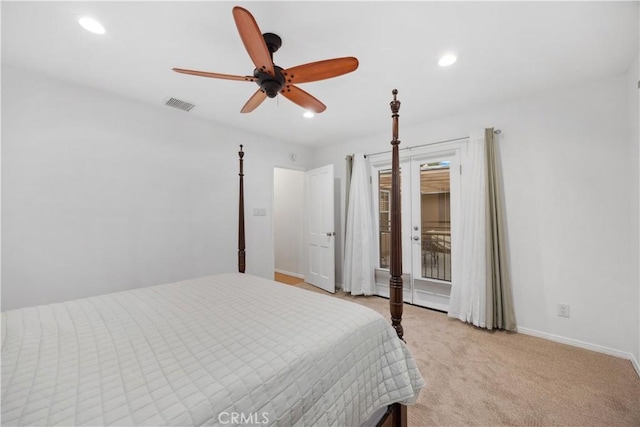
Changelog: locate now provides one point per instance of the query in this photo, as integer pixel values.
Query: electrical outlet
(563, 310)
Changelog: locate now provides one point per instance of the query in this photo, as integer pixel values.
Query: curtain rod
(497, 132)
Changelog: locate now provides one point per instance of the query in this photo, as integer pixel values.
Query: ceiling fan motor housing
(271, 85)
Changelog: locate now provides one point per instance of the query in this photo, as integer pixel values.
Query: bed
(228, 349)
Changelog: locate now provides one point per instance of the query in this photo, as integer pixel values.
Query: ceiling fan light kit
(272, 79)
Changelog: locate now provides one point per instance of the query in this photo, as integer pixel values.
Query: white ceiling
(505, 49)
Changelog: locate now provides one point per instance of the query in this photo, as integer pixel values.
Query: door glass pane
(435, 213)
(384, 209)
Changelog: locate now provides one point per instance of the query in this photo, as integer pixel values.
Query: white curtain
(359, 255)
(468, 301)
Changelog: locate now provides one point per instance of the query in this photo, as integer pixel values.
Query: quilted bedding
(230, 349)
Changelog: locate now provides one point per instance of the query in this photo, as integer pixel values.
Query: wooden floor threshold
(285, 278)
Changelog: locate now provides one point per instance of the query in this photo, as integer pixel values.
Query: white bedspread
(222, 350)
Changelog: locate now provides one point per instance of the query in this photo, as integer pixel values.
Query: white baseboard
(289, 273)
(582, 344)
(636, 365)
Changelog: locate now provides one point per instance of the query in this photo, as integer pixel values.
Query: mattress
(230, 349)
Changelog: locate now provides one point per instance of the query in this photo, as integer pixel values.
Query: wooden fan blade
(321, 70)
(215, 75)
(253, 40)
(253, 102)
(303, 99)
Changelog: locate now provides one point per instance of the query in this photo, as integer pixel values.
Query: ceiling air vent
(182, 105)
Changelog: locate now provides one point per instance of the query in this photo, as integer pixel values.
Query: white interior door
(320, 232)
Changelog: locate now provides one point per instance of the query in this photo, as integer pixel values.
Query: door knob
(331, 234)
(416, 238)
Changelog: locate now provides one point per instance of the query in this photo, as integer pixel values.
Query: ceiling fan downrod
(273, 41)
(271, 85)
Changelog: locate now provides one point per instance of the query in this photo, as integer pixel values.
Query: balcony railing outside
(436, 254)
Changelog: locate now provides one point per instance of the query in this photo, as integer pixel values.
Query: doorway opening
(288, 225)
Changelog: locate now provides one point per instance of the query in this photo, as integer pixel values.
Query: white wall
(288, 208)
(566, 165)
(101, 194)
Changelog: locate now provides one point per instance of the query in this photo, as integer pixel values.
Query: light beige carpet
(482, 378)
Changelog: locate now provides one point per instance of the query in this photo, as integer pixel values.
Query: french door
(430, 197)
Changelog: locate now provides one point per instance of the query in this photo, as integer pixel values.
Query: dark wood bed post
(241, 253)
(396, 415)
(395, 281)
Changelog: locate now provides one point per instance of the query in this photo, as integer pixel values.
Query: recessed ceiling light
(308, 114)
(446, 60)
(91, 25)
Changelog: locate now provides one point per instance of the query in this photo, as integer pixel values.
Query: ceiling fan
(273, 79)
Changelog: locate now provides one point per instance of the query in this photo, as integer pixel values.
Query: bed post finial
(241, 247)
(395, 280)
